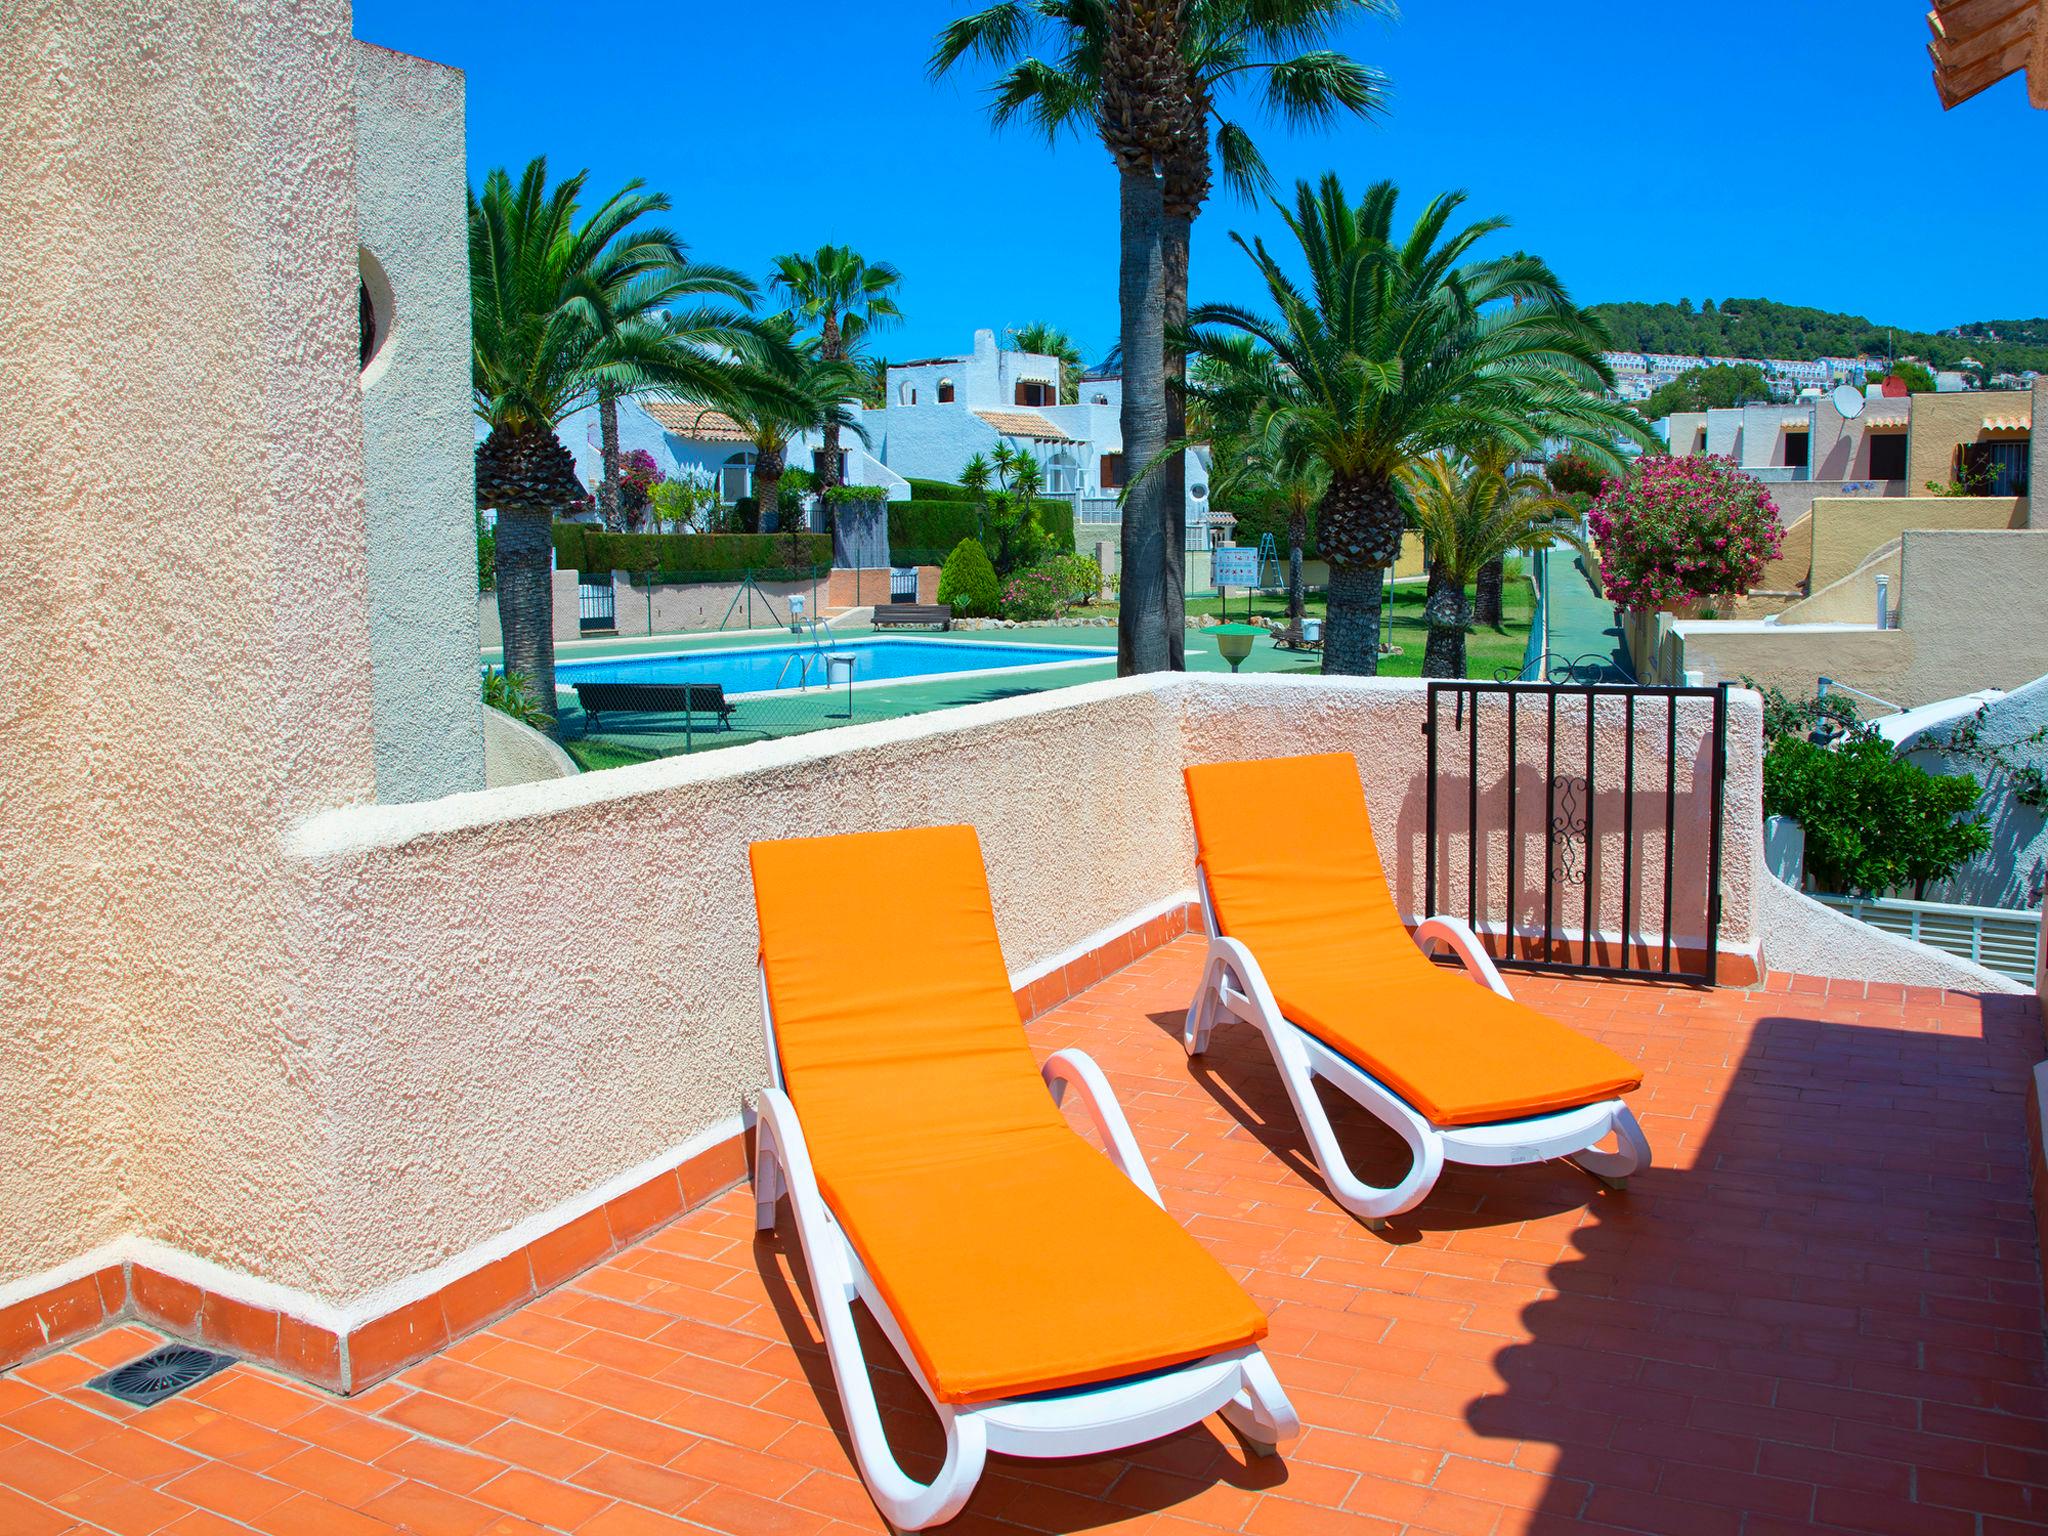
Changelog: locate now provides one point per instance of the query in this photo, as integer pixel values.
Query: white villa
(939, 413)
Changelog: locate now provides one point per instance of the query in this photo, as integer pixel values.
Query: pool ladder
(802, 660)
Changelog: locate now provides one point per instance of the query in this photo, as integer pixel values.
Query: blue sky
(1738, 148)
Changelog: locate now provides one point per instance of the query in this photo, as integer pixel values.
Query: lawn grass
(594, 752)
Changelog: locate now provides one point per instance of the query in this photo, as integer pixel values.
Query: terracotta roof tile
(1025, 424)
(699, 423)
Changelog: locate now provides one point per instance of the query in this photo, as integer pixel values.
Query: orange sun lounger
(1036, 1289)
(1306, 945)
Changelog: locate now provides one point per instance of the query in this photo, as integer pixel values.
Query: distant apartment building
(1638, 375)
(1891, 446)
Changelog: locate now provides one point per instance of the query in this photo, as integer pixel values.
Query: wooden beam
(1959, 85)
(1956, 51)
(1958, 21)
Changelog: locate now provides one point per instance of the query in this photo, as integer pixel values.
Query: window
(1112, 471)
(1887, 455)
(1795, 449)
(818, 464)
(945, 391)
(1036, 392)
(736, 478)
(374, 314)
(905, 395)
(1997, 469)
(1101, 399)
(1062, 474)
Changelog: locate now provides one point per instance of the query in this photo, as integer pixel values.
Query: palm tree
(1150, 77)
(1473, 512)
(563, 311)
(793, 390)
(1047, 340)
(1399, 348)
(845, 296)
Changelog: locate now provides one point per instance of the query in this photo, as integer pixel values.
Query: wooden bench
(1290, 639)
(893, 615)
(600, 699)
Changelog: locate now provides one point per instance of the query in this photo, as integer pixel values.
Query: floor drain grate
(161, 1373)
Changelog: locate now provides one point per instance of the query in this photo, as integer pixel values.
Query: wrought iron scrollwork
(1568, 830)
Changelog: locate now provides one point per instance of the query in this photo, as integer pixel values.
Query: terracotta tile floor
(1822, 1309)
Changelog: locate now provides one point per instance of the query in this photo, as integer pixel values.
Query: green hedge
(938, 490)
(1057, 519)
(925, 532)
(676, 554)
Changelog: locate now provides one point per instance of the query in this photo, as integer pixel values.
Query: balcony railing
(1997, 938)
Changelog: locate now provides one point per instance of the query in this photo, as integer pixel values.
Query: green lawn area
(641, 739)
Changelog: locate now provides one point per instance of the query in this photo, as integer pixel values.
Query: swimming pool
(769, 668)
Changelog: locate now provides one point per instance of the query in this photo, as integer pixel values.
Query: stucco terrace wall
(510, 1041)
(189, 668)
(419, 442)
(1942, 421)
(1976, 603)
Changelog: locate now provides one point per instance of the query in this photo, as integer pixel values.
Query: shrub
(1571, 475)
(512, 693)
(926, 532)
(1683, 530)
(706, 554)
(968, 581)
(938, 490)
(1057, 519)
(1873, 821)
(1078, 577)
(1033, 594)
(840, 495)
(1011, 531)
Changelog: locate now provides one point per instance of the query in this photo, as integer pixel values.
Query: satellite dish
(1849, 401)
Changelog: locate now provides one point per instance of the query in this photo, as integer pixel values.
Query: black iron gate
(903, 584)
(1610, 838)
(595, 606)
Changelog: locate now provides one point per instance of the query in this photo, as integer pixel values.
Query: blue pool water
(756, 669)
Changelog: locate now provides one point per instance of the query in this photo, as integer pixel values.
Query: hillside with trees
(1764, 328)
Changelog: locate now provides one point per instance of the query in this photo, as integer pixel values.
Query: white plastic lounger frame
(1233, 986)
(1239, 1384)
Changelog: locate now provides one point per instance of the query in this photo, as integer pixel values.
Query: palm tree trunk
(608, 488)
(1176, 230)
(1443, 655)
(1297, 536)
(526, 609)
(1351, 632)
(1486, 609)
(1142, 637)
(768, 466)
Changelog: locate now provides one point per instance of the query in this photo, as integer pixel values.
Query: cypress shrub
(938, 490)
(968, 581)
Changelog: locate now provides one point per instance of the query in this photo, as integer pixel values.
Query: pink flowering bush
(1033, 594)
(1679, 531)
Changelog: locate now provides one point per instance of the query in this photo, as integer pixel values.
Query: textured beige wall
(518, 754)
(188, 670)
(1853, 599)
(1794, 657)
(1941, 422)
(1976, 604)
(531, 989)
(419, 441)
(1848, 530)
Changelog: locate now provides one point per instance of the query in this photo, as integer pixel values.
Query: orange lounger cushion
(1295, 876)
(1013, 1255)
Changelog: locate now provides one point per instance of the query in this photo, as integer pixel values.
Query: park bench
(894, 615)
(600, 699)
